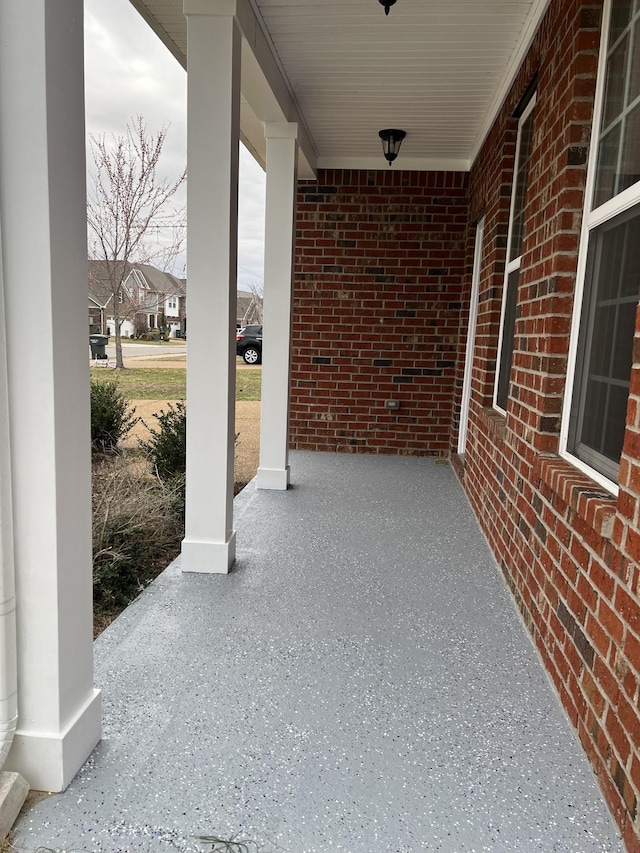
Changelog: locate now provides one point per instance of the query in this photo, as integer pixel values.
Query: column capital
(281, 129)
(213, 8)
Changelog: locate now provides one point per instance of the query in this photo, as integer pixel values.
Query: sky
(129, 72)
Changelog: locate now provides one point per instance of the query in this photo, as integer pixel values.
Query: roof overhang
(343, 71)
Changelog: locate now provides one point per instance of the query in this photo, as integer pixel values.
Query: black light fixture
(387, 5)
(391, 142)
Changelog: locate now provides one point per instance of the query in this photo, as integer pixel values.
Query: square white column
(282, 156)
(213, 121)
(44, 271)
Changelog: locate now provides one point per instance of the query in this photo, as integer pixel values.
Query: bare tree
(127, 206)
(253, 314)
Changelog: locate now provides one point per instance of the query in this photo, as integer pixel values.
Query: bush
(111, 419)
(166, 450)
(137, 530)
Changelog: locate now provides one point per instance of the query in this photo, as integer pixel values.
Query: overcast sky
(130, 72)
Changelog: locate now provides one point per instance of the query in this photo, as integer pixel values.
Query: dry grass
(137, 522)
(137, 529)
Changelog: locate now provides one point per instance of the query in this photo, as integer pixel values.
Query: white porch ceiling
(438, 69)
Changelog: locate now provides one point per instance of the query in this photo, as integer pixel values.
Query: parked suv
(249, 344)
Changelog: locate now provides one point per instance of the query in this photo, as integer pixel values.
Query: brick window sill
(592, 504)
(495, 423)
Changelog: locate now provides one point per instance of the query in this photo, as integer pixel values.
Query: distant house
(101, 302)
(249, 308)
(150, 301)
(159, 300)
(97, 318)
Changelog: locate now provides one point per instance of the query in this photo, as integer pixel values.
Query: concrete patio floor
(361, 682)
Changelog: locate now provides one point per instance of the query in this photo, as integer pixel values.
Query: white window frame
(591, 219)
(139, 277)
(513, 265)
(471, 338)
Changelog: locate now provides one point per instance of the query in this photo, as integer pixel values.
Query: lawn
(143, 383)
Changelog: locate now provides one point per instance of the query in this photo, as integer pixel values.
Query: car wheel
(251, 355)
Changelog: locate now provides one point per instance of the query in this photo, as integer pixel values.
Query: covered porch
(259, 72)
(361, 681)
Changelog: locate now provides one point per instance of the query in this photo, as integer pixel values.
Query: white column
(282, 155)
(44, 263)
(214, 44)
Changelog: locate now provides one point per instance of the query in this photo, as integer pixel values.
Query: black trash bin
(98, 344)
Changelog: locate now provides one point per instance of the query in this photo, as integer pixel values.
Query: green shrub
(111, 418)
(166, 450)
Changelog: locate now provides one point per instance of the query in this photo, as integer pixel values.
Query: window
(172, 305)
(514, 255)
(608, 285)
(618, 164)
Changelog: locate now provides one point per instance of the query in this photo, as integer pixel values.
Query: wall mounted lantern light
(391, 142)
(387, 5)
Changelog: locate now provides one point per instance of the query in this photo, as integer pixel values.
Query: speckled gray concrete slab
(361, 682)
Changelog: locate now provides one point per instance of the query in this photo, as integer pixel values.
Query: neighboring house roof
(99, 281)
(161, 282)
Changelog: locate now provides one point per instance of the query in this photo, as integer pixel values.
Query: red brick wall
(379, 277)
(568, 549)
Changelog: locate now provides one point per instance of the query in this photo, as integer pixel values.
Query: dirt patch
(247, 427)
(248, 443)
(168, 361)
(174, 361)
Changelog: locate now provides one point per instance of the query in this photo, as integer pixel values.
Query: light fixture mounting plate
(387, 5)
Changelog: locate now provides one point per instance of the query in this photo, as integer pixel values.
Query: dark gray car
(249, 344)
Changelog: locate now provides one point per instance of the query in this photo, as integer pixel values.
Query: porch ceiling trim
(402, 164)
(536, 14)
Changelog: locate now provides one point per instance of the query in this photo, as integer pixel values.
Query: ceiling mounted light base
(387, 5)
(391, 141)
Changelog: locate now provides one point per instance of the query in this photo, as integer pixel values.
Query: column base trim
(273, 478)
(50, 761)
(208, 557)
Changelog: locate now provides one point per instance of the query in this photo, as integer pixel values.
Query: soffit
(435, 68)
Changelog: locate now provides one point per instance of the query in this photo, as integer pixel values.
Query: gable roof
(100, 289)
(161, 282)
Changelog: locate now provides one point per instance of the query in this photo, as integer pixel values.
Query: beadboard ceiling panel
(438, 69)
